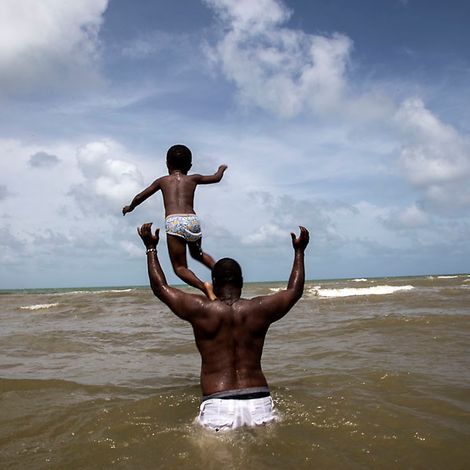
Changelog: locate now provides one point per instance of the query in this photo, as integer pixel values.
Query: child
(181, 223)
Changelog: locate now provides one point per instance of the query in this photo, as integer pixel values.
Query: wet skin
(178, 189)
(230, 331)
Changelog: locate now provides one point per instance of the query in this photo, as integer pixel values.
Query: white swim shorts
(220, 414)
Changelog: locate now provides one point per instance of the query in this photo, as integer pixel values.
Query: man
(229, 334)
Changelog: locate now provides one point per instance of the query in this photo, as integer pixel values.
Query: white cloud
(132, 249)
(43, 222)
(97, 177)
(266, 234)
(246, 15)
(298, 167)
(287, 71)
(435, 159)
(279, 69)
(108, 180)
(413, 216)
(283, 214)
(410, 218)
(45, 41)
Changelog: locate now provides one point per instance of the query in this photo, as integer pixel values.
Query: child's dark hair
(179, 157)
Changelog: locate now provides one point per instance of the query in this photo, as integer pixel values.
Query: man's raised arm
(275, 306)
(182, 304)
(297, 275)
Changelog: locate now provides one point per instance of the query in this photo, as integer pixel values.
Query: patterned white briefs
(186, 226)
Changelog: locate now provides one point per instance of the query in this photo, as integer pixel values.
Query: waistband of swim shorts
(180, 215)
(240, 394)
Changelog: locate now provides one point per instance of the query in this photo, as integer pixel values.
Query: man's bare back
(230, 331)
(230, 340)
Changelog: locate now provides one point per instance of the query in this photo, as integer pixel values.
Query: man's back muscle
(230, 340)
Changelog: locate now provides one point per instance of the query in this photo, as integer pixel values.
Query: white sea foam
(105, 291)
(39, 306)
(349, 291)
(447, 277)
(360, 279)
(278, 289)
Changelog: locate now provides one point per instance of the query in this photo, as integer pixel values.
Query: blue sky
(351, 118)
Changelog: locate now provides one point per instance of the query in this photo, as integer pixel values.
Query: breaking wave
(349, 291)
(104, 291)
(39, 306)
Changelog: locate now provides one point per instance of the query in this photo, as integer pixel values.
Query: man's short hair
(179, 157)
(227, 271)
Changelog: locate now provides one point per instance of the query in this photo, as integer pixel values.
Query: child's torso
(178, 194)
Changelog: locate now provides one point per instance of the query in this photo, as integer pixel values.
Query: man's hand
(126, 209)
(300, 242)
(145, 232)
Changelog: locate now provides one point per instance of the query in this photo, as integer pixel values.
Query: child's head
(179, 157)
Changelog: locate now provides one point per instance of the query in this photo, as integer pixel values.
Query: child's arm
(209, 179)
(141, 197)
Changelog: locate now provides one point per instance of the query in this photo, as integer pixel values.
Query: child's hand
(126, 209)
(222, 168)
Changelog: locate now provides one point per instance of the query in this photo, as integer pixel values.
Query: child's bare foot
(209, 291)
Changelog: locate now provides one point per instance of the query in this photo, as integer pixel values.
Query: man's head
(226, 273)
(179, 157)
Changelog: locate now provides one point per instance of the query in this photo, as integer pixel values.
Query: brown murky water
(364, 374)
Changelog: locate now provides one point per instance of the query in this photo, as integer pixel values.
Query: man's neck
(229, 295)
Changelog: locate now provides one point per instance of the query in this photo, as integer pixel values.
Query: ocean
(364, 373)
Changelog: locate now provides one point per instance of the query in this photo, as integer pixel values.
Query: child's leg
(195, 250)
(177, 252)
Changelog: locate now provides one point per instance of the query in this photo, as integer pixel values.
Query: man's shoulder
(219, 306)
(201, 302)
(244, 304)
(260, 303)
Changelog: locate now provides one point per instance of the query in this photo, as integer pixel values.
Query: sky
(350, 118)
